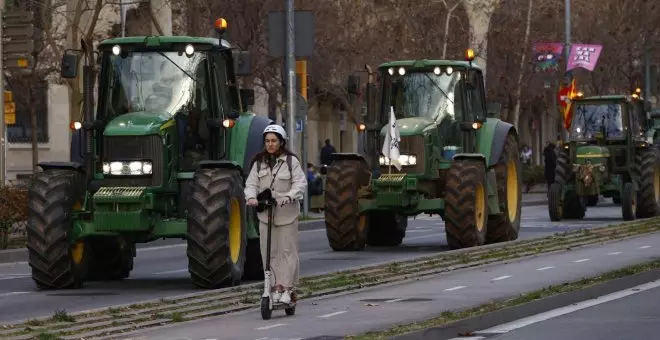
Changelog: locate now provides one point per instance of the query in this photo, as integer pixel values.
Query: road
(162, 271)
(387, 306)
(630, 313)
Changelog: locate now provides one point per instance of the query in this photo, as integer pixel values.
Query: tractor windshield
(423, 94)
(158, 82)
(590, 120)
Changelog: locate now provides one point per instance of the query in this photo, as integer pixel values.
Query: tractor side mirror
(247, 97)
(494, 110)
(242, 63)
(69, 66)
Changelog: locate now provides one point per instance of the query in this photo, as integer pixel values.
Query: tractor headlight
(127, 168)
(403, 159)
(601, 168)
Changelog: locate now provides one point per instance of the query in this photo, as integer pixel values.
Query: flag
(566, 94)
(392, 140)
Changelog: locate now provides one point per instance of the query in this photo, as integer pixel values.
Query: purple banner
(546, 56)
(584, 56)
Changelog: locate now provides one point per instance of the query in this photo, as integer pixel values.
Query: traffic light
(10, 109)
(301, 75)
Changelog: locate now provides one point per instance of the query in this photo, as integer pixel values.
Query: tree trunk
(447, 22)
(35, 131)
(523, 57)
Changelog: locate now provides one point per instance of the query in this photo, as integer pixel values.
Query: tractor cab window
(593, 120)
(475, 94)
(159, 83)
(424, 94)
(637, 119)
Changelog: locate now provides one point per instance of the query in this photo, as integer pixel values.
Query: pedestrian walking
(277, 169)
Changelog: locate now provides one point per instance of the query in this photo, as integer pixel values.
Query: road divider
(122, 319)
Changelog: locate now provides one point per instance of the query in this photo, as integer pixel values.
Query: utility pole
(3, 128)
(567, 53)
(122, 17)
(291, 75)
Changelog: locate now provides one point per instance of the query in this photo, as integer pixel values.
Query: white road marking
(171, 271)
(271, 326)
(614, 253)
(394, 300)
(333, 314)
(644, 247)
(12, 277)
(499, 278)
(455, 288)
(418, 230)
(510, 326)
(581, 260)
(469, 338)
(545, 268)
(13, 293)
(312, 230)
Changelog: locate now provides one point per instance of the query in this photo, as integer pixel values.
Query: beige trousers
(284, 259)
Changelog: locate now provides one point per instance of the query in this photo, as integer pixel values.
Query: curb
(21, 255)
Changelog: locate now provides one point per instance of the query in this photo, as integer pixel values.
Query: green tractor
(164, 154)
(610, 152)
(458, 161)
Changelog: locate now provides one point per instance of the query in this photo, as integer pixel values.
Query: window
(21, 132)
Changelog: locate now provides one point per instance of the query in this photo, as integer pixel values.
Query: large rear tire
(56, 261)
(216, 229)
(647, 171)
(506, 226)
(466, 206)
(345, 229)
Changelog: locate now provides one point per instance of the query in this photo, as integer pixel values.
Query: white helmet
(276, 129)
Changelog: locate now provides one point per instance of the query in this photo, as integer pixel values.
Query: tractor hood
(137, 124)
(591, 153)
(409, 126)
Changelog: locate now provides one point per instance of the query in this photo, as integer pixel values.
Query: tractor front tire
(216, 228)
(555, 206)
(345, 229)
(466, 206)
(111, 258)
(56, 263)
(647, 171)
(505, 226)
(563, 170)
(628, 202)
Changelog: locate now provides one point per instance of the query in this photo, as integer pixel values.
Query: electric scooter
(267, 304)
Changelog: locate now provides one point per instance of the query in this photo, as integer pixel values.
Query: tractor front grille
(134, 148)
(410, 145)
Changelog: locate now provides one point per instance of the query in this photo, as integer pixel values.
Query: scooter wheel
(290, 311)
(266, 312)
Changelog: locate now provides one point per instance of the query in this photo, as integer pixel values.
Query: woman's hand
(252, 202)
(282, 201)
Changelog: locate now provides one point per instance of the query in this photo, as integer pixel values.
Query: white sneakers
(284, 297)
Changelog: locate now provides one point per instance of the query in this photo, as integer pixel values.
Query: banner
(546, 56)
(584, 56)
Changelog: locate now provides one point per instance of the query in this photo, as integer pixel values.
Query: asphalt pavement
(631, 313)
(383, 307)
(162, 271)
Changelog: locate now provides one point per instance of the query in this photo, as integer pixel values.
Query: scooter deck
(280, 306)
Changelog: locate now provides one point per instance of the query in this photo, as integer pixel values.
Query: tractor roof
(157, 40)
(429, 63)
(608, 97)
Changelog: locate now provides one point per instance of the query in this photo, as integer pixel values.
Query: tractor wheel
(555, 207)
(253, 268)
(345, 229)
(628, 202)
(505, 226)
(592, 200)
(388, 230)
(647, 171)
(216, 228)
(616, 199)
(563, 169)
(466, 206)
(574, 206)
(56, 263)
(111, 258)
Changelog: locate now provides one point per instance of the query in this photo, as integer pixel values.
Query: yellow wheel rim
(77, 252)
(512, 190)
(479, 206)
(234, 229)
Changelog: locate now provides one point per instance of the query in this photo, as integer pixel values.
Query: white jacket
(292, 184)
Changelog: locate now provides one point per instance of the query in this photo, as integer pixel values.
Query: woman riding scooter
(278, 169)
